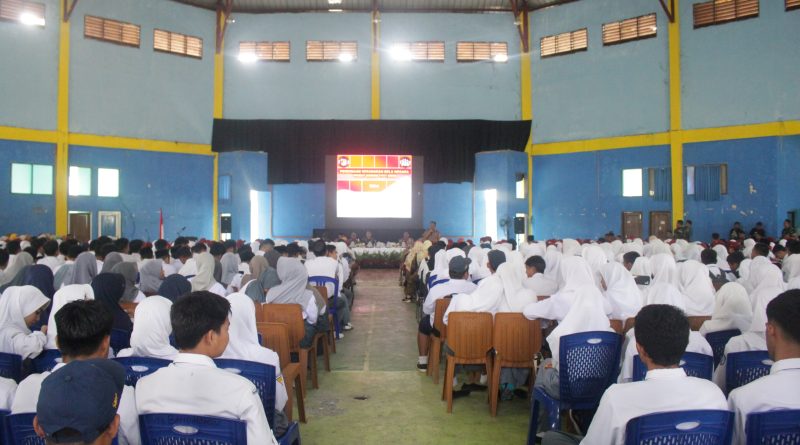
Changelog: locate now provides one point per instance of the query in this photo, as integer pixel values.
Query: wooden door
(80, 226)
(631, 224)
(660, 224)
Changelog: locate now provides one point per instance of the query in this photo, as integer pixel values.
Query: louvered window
(478, 51)
(792, 4)
(565, 43)
(630, 29)
(177, 43)
(326, 51)
(721, 11)
(420, 51)
(29, 13)
(111, 31)
(268, 51)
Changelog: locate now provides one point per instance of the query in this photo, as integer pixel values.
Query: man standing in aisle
(431, 234)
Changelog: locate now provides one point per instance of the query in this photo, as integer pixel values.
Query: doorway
(631, 225)
(110, 224)
(660, 224)
(80, 225)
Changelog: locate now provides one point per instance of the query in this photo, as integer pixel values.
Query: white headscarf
(695, 284)
(595, 258)
(665, 293)
(294, 282)
(588, 313)
(766, 279)
(659, 247)
(189, 268)
(441, 267)
(664, 269)
(243, 343)
(575, 274)
(477, 266)
(642, 267)
(230, 266)
(621, 291)
(532, 249)
(66, 294)
(749, 243)
(489, 296)
(791, 267)
(22, 260)
(744, 274)
(552, 261)
(794, 284)
(151, 330)
(722, 257)
(570, 247)
(16, 303)
(732, 310)
(204, 279)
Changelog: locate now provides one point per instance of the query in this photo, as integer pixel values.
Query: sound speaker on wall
(519, 225)
(225, 224)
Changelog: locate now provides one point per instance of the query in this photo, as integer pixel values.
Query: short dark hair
(122, 243)
(663, 332)
(162, 253)
(330, 248)
(735, 257)
(537, 262)
(688, 221)
(105, 249)
(784, 311)
(281, 249)
(266, 242)
(216, 249)
(778, 248)
(136, 245)
(708, 256)
(181, 241)
(630, 257)
(229, 244)
(4, 257)
(50, 247)
(715, 236)
(13, 246)
(793, 246)
(146, 253)
(318, 247)
(680, 221)
(63, 248)
(199, 248)
(293, 249)
(82, 327)
(194, 314)
(160, 244)
(246, 255)
(75, 250)
(761, 249)
(530, 238)
(759, 224)
(32, 251)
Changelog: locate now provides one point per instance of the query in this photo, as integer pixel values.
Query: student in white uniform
(732, 310)
(574, 274)
(488, 296)
(20, 308)
(661, 339)
(780, 389)
(8, 389)
(151, 330)
(459, 284)
(204, 280)
(84, 334)
(243, 345)
(50, 258)
(620, 291)
(695, 284)
(78, 403)
(294, 290)
(193, 384)
(536, 280)
(65, 295)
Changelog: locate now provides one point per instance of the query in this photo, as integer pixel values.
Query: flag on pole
(160, 224)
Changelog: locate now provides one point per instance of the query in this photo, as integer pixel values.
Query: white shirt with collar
(540, 284)
(8, 388)
(778, 390)
(325, 267)
(697, 344)
(662, 390)
(28, 395)
(445, 289)
(193, 384)
(50, 261)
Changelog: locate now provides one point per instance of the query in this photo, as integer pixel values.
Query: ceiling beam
(68, 8)
(669, 10)
(520, 10)
(224, 8)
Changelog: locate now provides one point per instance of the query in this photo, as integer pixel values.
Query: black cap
(496, 258)
(459, 265)
(78, 402)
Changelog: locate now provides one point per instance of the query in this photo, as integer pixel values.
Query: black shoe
(474, 387)
(422, 367)
(460, 393)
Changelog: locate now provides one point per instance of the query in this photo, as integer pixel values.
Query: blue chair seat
(120, 339)
(773, 427)
(718, 340)
(185, 429)
(291, 436)
(742, 368)
(700, 427)
(46, 361)
(695, 365)
(11, 366)
(319, 280)
(138, 367)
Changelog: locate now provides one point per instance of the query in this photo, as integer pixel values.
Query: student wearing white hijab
(595, 258)
(575, 274)
(151, 330)
(489, 296)
(621, 291)
(535, 279)
(63, 296)
(766, 279)
(23, 260)
(204, 280)
(749, 243)
(230, 266)
(552, 259)
(791, 266)
(744, 274)
(20, 308)
(570, 247)
(722, 257)
(642, 268)
(695, 283)
(440, 271)
(243, 343)
(477, 266)
(732, 310)
(294, 290)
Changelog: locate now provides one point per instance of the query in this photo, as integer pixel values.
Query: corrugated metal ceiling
(267, 6)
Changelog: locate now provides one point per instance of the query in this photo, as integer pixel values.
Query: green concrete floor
(377, 361)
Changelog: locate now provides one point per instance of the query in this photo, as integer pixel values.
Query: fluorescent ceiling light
(334, 2)
(500, 58)
(247, 57)
(345, 57)
(30, 19)
(400, 52)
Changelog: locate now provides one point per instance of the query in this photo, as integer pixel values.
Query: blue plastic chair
(695, 365)
(718, 340)
(185, 429)
(587, 367)
(263, 377)
(120, 339)
(318, 280)
(742, 368)
(46, 361)
(5, 439)
(19, 430)
(11, 366)
(438, 282)
(701, 427)
(138, 367)
(773, 427)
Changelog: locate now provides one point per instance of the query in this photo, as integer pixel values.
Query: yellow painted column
(219, 87)
(526, 103)
(675, 120)
(375, 68)
(62, 130)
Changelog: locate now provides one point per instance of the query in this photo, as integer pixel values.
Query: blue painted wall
(31, 214)
(299, 89)
(29, 72)
(498, 170)
(451, 206)
(248, 171)
(297, 209)
(580, 195)
(742, 72)
(176, 183)
(606, 90)
(138, 92)
(789, 178)
(449, 90)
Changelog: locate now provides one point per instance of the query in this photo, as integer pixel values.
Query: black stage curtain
(297, 148)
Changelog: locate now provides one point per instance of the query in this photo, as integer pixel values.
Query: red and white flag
(160, 224)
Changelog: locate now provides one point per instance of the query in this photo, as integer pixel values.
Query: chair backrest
(20, 430)
(46, 361)
(695, 365)
(742, 368)
(469, 334)
(773, 427)
(261, 374)
(185, 429)
(120, 339)
(701, 427)
(437, 282)
(275, 336)
(696, 321)
(292, 316)
(438, 316)
(259, 312)
(11, 366)
(322, 291)
(718, 340)
(332, 284)
(138, 367)
(588, 363)
(515, 338)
